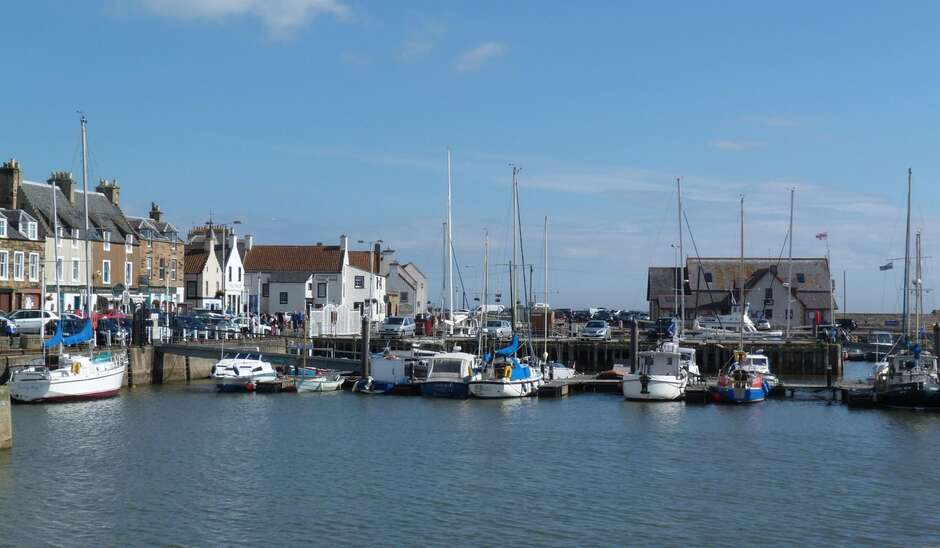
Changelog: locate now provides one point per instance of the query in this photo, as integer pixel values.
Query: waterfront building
(203, 275)
(406, 286)
(709, 283)
(157, 261)
(290, 277)
(230, 252)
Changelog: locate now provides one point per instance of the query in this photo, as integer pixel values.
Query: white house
(203, 276)
(407, 281)
(289, 277)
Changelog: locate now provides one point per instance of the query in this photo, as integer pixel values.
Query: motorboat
(908, 379)
(662, 374)
(76, 377)
(395, 371)
(760, 363)
(736, 323)
(449, 374)
(737, 384)
(504, 376)
(242, 373)
(324, 381)
(558, 371)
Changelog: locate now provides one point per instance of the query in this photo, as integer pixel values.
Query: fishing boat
(449, 375)
(909, 378)
(662, 374)
(323, 381)
(504, 376)
(242, 373)
(757, 362)
(65, 377)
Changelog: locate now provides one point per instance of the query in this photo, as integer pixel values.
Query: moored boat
(736, 384)
(504, 376)
(77, 377)
(662, 374)
(242, 373)
(325, 381)
(449, 375)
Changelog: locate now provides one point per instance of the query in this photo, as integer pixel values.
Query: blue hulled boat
(739, 384)
(449, 375)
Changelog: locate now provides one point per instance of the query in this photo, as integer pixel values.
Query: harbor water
(181, 465)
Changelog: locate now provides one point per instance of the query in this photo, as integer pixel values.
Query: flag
(822, 236)
(887, 266)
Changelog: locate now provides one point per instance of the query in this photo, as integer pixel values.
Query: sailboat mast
(88, 294)
(546, 309)
(450, 246)
(486, 258)
(681, 293)
(58, 288)
(918, 284)
(790, 266)
(741, 306)
(512, 262)
(905, 320)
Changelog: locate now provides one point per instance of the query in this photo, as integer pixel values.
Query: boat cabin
(451, 366)
(660, 364)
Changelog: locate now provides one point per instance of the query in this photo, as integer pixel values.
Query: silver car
(501, 329)
(398, 326)
(32, 321)
(596, 330)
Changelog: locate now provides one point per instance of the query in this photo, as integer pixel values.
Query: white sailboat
(74, 377)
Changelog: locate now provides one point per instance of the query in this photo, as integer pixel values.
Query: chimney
(11, 178)
(210, 239)
(155, 213)
(65, 182)
(111, 190)
(343, 242)
(249, 242)
(377, 257)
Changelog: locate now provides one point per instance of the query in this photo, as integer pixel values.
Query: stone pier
(6, 421)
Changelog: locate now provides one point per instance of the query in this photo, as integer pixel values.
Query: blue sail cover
(84, 335)
(56, 339)
(511, 349)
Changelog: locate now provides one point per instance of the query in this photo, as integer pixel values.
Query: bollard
(6, 423)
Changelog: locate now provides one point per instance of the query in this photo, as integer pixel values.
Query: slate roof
(724, 271)
(15, 223)
(290, 277)
(661, 281)
(102, 214)
(816, 300)
(304, 258)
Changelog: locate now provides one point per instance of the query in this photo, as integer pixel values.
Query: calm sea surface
(182, 465)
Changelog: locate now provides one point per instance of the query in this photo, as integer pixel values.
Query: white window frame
(128, 273)
(34, 267)
(76, 270)
(106, 240)
(60, 268)
(59, 236)
(149, 266)
(3, 228)
(32, 231)
(173, 269)
(19, 265)
(74, 238)
(4, 265)
(106, 269)
(129, 244)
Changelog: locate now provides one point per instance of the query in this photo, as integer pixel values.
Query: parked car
(244, 324)
(500, 329)
(399, 326)
(562, 314)
(581, 315)
(596, 330)
(763, 324)
(664, 328)
(32, 321)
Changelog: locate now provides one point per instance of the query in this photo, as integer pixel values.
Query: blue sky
(309, 118)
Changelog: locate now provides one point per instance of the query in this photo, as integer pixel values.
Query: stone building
(158, 260)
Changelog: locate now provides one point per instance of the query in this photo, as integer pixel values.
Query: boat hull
(914, 395)
(503, 389)
(106, 385)
(319, 385)
(727, 394)
(653, 387)
(445, 389)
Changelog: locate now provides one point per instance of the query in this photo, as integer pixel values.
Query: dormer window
(3, 228)
(32, 230)
(106, 238)
(129, 243)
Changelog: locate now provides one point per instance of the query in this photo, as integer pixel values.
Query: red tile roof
(304, 258)
(195, 261)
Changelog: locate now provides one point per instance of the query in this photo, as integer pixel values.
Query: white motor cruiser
(242, 373)
(662, 374)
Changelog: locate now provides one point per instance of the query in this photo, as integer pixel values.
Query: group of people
(279, 322)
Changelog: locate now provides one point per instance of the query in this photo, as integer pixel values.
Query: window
(265, 290)
(768, 293)
(18, 265)
(800, 278)
(229, 273)
(359, 282)
(173, 269)
(321, 290)
(129, 244)
(74, 238)
(207, 288)
(149, 240)
(59, 236)
(191, 289)
(31, 230)
(708, 277)
(59, 268)
(76, 266)
(4, 265)
(404, 296)
(128, 273)
(162, 268)
(239, 273)
(149, 265)
(378, 283)
(33, 267)
(106, 272)
(3, 228)
(282, 298)
(106, 238)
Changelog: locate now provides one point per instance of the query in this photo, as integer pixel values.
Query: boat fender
(507, 372)
(76, 368)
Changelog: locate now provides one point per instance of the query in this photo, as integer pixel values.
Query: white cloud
(280, 17)
(726, 144)
(475, 58)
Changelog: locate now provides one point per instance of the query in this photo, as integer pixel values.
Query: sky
(305, 119)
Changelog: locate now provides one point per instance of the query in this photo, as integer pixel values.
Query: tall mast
(55, 228)
(681, 288)
(918, 287)
(741, 287)
(88, 294)
(512, 262)
(450, 247)
(905, 320)
(546, 309)
(790, 266)
(486, 258)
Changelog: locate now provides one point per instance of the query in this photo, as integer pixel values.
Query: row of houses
(708, 286)
(145, 260)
